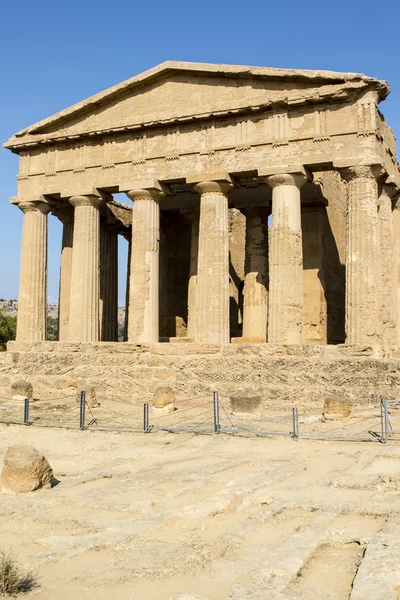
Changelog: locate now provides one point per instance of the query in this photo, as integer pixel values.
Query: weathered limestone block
(21, 389)
(164, 400)
(336, 408)
(25, 470)
(245, 404)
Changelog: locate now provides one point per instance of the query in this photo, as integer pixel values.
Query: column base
(179, 340)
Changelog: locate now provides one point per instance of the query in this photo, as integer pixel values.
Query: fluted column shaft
(388, 292)
(396, 237)
(212, 294)
(32, 300)
(192, 286)
(66, 216)
(285, 314)
(143, 325)
(363, 315)
(255, 290)
(84, 325)
(128, 279)
(108, 284)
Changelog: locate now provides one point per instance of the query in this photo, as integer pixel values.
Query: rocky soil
(182, 516)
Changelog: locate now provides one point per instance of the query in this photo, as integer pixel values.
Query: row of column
(273, 287)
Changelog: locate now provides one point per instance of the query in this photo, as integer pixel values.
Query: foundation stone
(336, 408)
(21, 389)
(164, 400)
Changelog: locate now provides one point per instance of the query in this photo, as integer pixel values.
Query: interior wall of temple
(174, 273)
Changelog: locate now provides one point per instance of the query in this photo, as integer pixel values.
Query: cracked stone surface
(181, 516)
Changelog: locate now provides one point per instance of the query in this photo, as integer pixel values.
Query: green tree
(8, 329)
(52, 329)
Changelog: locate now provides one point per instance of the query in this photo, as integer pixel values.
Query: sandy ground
(186, 517)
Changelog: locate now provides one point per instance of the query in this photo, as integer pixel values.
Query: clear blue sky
(57, 53)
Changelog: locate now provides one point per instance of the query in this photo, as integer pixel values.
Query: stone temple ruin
(263, 233)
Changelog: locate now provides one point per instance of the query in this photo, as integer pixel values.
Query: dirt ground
(180, 516)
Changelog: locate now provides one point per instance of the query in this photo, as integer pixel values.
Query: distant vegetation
(52, 328)
(8, 330)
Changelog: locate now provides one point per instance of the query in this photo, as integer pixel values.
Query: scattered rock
(25, 470)
(164, 400)
(336, 407)
(21, 389)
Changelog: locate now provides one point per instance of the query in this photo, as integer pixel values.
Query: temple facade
(261, 207)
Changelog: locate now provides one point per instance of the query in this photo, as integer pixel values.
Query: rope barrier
(190, 419)
(179, 412)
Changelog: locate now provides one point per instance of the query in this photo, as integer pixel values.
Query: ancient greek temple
(260, 207)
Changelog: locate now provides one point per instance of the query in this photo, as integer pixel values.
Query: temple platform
(279, 374)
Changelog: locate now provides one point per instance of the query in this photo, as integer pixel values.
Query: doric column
(314, 307)
(388, 292)
(396, 237)
(143, 326)
(128, 279)
(66, 216)
(255, 290)
(32, 300)
(108, 309)
(285, 314)
(212, 294)
(363, 280)
(192, 286)
(85, 280)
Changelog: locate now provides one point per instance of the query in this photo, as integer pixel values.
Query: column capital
(31, 205)
(211, 183)
(89, 200)
(143, 189)
(295, 175)
(351, 172)
(145, 194)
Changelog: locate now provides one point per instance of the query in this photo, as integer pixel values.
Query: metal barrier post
(82, 406)
(295, 420)
(217, 426)
(146, 417)
(383, 436)
(386, 418)
(26, 411)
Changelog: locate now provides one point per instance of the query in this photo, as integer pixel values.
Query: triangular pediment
(179, 92)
